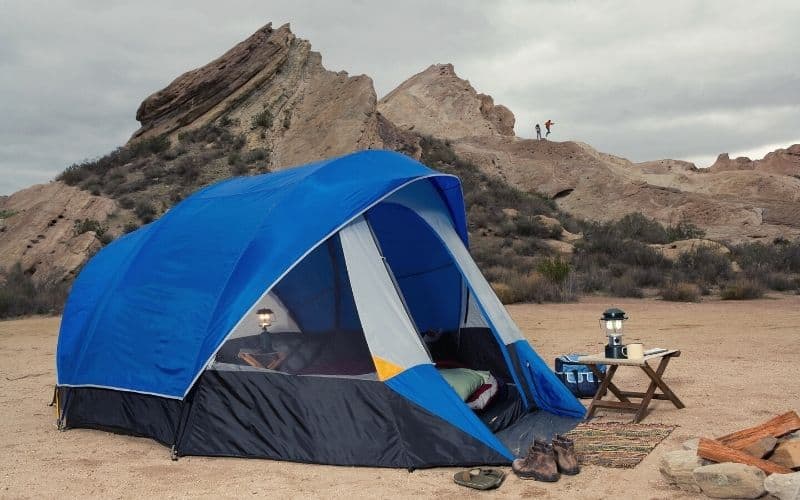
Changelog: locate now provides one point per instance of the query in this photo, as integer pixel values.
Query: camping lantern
(612, 323)
(265, 319)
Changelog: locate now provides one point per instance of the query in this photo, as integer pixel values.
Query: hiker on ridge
(547, 125)
(538, 132)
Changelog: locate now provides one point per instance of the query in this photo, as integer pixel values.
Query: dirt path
(739, 365)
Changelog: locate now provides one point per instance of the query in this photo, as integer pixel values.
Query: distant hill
(269, 103)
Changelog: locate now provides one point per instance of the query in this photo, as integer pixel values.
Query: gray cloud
(638, 79)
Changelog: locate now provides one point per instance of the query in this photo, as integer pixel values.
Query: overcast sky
(643, 80)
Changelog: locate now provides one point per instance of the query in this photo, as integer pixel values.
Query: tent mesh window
(315, 328)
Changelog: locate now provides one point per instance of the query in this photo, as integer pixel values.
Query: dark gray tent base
(540, 424)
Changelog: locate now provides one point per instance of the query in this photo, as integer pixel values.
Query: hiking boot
(538, 464)
(566, 458)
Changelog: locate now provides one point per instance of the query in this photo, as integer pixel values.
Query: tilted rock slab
(730, 480)
(40, 234)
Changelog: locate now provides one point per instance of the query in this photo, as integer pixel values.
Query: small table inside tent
(624, 402)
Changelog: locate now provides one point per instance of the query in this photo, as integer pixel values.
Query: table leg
(655, 377)
(606, 381)
(611, 387)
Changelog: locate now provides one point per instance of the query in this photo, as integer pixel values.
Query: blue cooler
(578, 378)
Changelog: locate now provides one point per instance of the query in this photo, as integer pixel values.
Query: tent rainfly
(300, 315)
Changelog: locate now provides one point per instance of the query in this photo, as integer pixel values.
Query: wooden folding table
(624, 402)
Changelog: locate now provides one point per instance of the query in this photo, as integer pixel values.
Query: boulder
(787, 454)
(691, 444)
(784, 486)
(677, 468)
(730, 480)
(762, 447)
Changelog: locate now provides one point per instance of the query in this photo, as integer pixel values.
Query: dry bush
(624, 286)
(681, 292)
(20, 295)
(742, 289)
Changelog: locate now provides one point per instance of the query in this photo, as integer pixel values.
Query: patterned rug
(616, 444)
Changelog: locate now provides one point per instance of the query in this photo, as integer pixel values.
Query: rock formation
(268, 103)
(437, 102)
(781, 162)
(39, 229)
(274, 90)
(733, 206)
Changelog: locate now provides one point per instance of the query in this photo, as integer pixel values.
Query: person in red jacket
(547, 126)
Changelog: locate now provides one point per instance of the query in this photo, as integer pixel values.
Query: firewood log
(717, 452)
(775, 427)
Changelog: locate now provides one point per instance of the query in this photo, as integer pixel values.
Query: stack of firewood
(764, 446)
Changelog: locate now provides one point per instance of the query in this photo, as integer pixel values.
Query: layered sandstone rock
(437, 102)
(40, 231)
(273, 89)
(737, 205)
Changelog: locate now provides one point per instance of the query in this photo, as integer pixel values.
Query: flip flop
(480, 478)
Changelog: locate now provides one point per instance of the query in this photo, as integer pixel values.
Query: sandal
(480, 478)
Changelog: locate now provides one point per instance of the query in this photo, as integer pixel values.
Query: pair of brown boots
(546, 462)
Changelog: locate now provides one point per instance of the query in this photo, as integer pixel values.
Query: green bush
(145, 211)
(555, 269)
(703, 264)
(81, 226)
(742, 289)
(262, 120)
(152, 145)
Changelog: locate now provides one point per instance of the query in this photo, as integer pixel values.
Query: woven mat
(616, 444)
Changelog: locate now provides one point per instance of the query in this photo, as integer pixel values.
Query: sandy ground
(739, 366)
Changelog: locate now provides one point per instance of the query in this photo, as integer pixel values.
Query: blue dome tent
(298, 316)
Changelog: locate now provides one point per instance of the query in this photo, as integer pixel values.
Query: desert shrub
(504, 293)
(21, 295)
(531, 226)
(234, 158)
(647, 276)
(5, 214)
(81, 226)
(130, 227)
(254, 155)
(780, 282)
(151, 145)
(187, 170)
(636, 226)
(145, 211)
(262, 119)
(624, 286)
(681, 292)
(703, 264)
(154, 171)
(240, 168)
(684, 231)
(758, 259)
(555, 269)
(630, 252)
(742, 289)
(126, 202)
(74, 174)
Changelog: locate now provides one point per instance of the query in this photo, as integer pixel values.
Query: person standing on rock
(538, 132)
(549, 123)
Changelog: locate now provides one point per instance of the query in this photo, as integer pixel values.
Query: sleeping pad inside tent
(329, 313)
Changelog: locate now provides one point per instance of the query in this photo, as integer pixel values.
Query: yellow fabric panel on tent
(386, 369)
